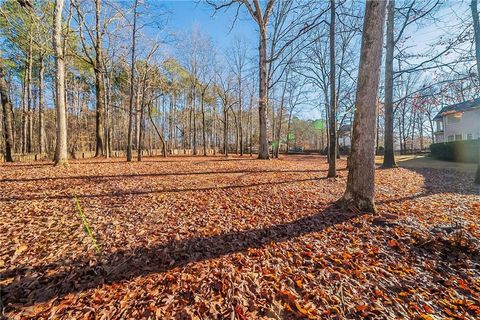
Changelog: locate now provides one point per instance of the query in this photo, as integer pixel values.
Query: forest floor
(237, 238)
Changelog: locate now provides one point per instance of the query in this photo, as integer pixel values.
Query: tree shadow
(145, 159)
(439, 181)
(123, 193)
(41, 283)
(163, 174)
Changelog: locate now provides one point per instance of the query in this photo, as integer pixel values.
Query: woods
(239, 159)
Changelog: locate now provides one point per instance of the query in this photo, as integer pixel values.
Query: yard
(217, 238)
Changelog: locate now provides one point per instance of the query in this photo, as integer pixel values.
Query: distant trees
(261, 16)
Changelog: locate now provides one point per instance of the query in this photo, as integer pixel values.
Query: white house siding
(439, 137)
(466, 126)
(344, 141)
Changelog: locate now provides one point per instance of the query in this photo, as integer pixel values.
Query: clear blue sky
(183, 15)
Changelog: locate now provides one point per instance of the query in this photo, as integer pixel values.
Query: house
(459, 121)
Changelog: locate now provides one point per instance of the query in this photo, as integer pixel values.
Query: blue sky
(184, 15)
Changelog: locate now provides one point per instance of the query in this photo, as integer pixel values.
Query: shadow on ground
(38, 283)
(440, 181)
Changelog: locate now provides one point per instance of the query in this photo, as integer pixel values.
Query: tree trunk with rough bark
(262, 103)
(141, 125)
(29, 96)
(99, 86)
(61, 153)
(360, 190)
(132, 84)
(7, 116)
(476, 29)
(332, 149)
(41, 106)
(225, 131)
(204, 132)
(389, 156)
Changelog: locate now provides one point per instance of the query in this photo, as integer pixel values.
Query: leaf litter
(237, 238)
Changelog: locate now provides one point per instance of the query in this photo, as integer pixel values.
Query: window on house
(458, 137)
(454, 118)
(439, 126)
(469, 136)
(451, 138)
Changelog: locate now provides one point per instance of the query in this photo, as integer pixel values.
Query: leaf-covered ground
(211, 238)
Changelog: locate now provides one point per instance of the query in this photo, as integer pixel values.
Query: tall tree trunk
(225, 131)
(389, 156)
(108, 118)
(214, 129)
(204, 133)
(132, 83)
(7, 115)
(137, 117)
(41, 105)
(171, 129)
(289, 123)
(29, 96)
(61, 116)
(279, 130)
(476, 30)
(332, 149)
(240, 117)
(141, 135)
(194, 106)
(251, 125)
(273, 125)
(360, 190)
(377, 140)
(24, 130)
(262, 95)
(99, 86)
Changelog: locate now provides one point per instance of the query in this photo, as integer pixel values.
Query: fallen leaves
(235, 238)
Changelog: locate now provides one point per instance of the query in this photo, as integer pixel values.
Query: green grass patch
(86, 227)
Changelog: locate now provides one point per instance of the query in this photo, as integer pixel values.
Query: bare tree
(261, 17)
(410, 15)
(389, 157)
(132, 84)
(332, 151)
(360, 190)
(61, 120)
(95, 35)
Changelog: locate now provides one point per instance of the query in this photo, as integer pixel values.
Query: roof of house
(345, 127)
(458, 107)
